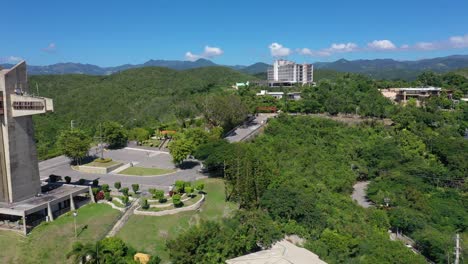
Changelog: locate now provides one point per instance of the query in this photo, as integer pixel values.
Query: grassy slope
(149, 233)
(50, 242)
(141, 96)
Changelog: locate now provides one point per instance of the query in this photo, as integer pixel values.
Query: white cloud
(10, 59)
(50, 48)
(404, 46)
(209, 52)
(383, 44)
(343, 47)
(459, 41)
(425, 46)
(334, 48)
(277, 50)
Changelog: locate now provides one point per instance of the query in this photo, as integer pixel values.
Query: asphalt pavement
(143, 157)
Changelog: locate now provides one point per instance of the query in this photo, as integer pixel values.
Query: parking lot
(142, 157)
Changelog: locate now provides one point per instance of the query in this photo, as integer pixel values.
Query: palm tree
(83, 253)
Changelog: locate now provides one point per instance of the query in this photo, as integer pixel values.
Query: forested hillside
(137, 97)
(302, 170)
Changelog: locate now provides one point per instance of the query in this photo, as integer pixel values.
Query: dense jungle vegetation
(300, 174)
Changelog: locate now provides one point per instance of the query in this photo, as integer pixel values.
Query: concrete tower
(19, 172)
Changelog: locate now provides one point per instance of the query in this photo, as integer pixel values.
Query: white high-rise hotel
(287, 73)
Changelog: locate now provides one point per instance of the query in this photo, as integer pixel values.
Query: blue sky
(109, 33)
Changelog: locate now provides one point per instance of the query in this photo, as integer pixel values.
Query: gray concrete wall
(22, 169)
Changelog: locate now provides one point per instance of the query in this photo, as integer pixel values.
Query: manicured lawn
(50, 242)
(141, 171)
(149, 233)
(102, 164)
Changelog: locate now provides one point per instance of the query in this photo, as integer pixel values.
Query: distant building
(402, 95)
(287, 73)
(238, 85)
(283, 252)
(22, 196)
(280, 95)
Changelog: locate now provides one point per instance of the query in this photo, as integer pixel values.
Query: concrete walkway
(359, 194)
(123, 218)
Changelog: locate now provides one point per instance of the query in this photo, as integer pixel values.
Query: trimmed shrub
(144, 204)
(135, 187)
(158, 194)
(95, 183)
(124, 200)
(117, 185)
(200, 186)
(81, 181)
(176, 199)
(105, 187)
(162, 200)
(54, 178)
(125, 191)
(189, 191)
(179, 186)
(67, 179)
(107, 196)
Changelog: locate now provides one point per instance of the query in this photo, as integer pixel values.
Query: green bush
(200, 186)
(95, 183)
(158, 194)
(179, 186)
(176, 199)
(105, 187)
(81, 181)
(162, 200)
(125, 191)
(106, 160)
(144, 204)
(117, 185)
(107, 196)
(135, 187)
(189, 190)
(125, 200)
(67, 179)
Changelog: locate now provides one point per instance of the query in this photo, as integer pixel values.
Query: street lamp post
(74, 220)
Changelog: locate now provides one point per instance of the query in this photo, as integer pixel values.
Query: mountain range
(377, 68)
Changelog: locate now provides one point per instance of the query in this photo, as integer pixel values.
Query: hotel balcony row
(25, 105)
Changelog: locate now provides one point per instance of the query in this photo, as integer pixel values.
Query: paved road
(244, 131)
(359, 194)
(158, 159)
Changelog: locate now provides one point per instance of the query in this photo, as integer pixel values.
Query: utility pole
(457, 249)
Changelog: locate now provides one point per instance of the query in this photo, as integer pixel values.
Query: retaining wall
(192, 207)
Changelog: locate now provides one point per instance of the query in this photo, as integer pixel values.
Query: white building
(279, 95)
(287, 73)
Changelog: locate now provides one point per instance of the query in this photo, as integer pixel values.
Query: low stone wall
(98, 170)
(121, 209)
(192, 207)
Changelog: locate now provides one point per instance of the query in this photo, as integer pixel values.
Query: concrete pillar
(72, 203)
(49, 213)
(25, 230)
(91, 195)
